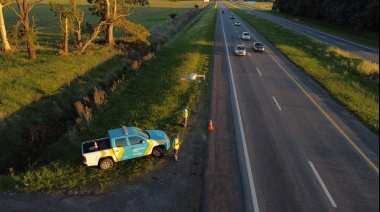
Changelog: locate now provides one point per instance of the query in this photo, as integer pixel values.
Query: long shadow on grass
(29, 131)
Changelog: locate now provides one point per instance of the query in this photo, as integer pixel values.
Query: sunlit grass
(151, 99)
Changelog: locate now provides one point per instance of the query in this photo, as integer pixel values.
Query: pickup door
(131, 147)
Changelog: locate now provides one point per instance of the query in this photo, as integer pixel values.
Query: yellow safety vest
(176, 143)
(185, 113)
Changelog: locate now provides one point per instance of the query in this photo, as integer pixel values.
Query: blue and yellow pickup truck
(123, 144)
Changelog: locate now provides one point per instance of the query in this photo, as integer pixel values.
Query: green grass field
(152, 98)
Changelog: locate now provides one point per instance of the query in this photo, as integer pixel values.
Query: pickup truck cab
(123, 144)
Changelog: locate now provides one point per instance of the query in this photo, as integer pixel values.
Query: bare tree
(78, 19)
(3, 31)
(28, 33)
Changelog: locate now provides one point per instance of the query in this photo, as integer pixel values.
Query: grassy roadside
(37, 98)
(152, 99)
(350, 80)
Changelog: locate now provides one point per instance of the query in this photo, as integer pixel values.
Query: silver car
(237, 23)
(258, 46)
(246, 36)
(240, 50)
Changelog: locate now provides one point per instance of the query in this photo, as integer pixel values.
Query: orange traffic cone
(210, 127)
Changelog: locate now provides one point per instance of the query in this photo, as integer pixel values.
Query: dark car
(258, 46)
(232, 17)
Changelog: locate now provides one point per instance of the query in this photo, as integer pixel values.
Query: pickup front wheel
(106, 164)
(157, 152)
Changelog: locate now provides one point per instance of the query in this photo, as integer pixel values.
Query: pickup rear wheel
(106, 164)
(157, 152)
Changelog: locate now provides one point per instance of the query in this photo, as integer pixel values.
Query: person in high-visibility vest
(185, 114)
(177, 143)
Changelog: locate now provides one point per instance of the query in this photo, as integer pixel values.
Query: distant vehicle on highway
(232, 17)
(258, 46)
(223, 12)
(237, 23)
(246, 36)
(240, 50)
(250, 10)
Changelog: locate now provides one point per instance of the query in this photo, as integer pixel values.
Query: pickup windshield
(143, 133)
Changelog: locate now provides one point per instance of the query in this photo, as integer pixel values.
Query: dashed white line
(323, 185)
(323, 37)
(277, 103)
(249, 54)
(342, 44)
(259, 71)
(365, 52)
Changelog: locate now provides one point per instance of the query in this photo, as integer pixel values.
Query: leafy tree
(65, 15)
(28, 32)
(362, 14)
(71, 19)
(111, 13)
(3, 31)
(78, 17)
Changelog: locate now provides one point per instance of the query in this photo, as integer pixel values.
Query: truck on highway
(123, 144)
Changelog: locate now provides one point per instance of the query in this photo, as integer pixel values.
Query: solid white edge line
(323, 185)
(277, 103)
(259, 71)
(248, 164)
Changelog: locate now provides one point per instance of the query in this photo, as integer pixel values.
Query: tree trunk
(78, 32)
(110, 40)
(96, 32)
(3, 31)
(29, 37)
(31, 47)
(24, 8)
(66, 45)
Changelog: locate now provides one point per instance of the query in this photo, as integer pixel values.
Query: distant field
(260, 5)
(156, 13)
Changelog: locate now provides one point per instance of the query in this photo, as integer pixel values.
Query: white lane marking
(323, 185)
(308, 31)
(323, 37)
(277, 103)
(365, 52)
(249, 54)
(259, 71)
(341, 43)
(246, 157)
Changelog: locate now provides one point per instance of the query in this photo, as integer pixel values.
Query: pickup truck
(123, 144)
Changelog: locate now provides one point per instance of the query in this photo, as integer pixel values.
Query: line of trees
(111, 14)
(360, 14)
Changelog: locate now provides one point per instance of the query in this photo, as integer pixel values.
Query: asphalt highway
(360, 50)
(298, 149)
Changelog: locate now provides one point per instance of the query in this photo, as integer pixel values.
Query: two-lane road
(298, 149)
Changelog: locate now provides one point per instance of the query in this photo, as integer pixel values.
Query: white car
(246, 36)
(237, 23)
(240, 50)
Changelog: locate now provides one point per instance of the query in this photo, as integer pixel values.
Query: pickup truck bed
(103, 144)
